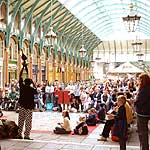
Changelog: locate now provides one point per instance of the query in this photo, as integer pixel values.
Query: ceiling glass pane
(96, 14)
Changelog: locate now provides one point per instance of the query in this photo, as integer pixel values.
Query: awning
(126, 68)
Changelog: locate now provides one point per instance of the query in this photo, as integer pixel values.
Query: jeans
(142, 125)
(39, 102)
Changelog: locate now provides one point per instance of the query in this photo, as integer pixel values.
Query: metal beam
(65, 42)
(27, 19)
(9, 26)
(47, 24)
(38, 25)
(1, 2)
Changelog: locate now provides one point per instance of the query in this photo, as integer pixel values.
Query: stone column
(66, 73)
(47, 69)
(6, 62)
(30, 67)
(61, 66)
(40, 70)
(85, 73)
(19, 63)
(54, 70)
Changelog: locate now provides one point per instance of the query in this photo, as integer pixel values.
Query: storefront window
(13, 50)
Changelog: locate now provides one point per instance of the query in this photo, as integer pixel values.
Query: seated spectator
(113, 97)
(91, 117)
(5, 102)
(106, 99)
(81, 127)
(117, 118)
(73, 107)
(13, 99)
(87, 103)
(96, 100)
(83, 96)
(101, 113)
(128, 94)
(38, 98)
(65, 127)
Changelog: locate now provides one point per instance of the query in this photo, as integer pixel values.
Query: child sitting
(81, 127)
(91, 117)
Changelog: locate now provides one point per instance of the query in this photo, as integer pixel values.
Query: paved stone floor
(45, 139)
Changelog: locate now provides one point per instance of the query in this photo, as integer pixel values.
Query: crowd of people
(82, 95)
(97, 98)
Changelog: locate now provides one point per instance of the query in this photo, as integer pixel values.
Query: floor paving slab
(44, 139)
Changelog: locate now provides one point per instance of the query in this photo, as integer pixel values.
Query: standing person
(117, 119)
(26, 103)
(142, 108)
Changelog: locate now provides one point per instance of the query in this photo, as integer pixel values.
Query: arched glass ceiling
(104, 17)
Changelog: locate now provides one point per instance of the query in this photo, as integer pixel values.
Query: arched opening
(35, 68)
(2, 48)
(43, 63)
(12, 56)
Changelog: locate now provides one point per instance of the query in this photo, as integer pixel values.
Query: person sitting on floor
(73, 107)
(65, 127)
(91, 117)
(81, 128)
(38, 99)
(101, 113)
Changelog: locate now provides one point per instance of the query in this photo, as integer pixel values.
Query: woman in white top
(65, 127)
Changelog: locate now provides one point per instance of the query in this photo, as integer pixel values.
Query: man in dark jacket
(26, 103)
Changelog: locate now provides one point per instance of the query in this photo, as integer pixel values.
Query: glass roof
(104, 17)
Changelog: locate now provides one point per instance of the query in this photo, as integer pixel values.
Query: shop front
(12, 70)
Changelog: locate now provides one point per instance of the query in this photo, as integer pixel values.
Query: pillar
(47, 69)
(40, 70)
(66, 72)
(30, 67)
(19, 64)
(6, 61)
(54, 69)
(61, 66)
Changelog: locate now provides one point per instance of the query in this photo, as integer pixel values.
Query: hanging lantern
(132, 20)
(82, 51)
